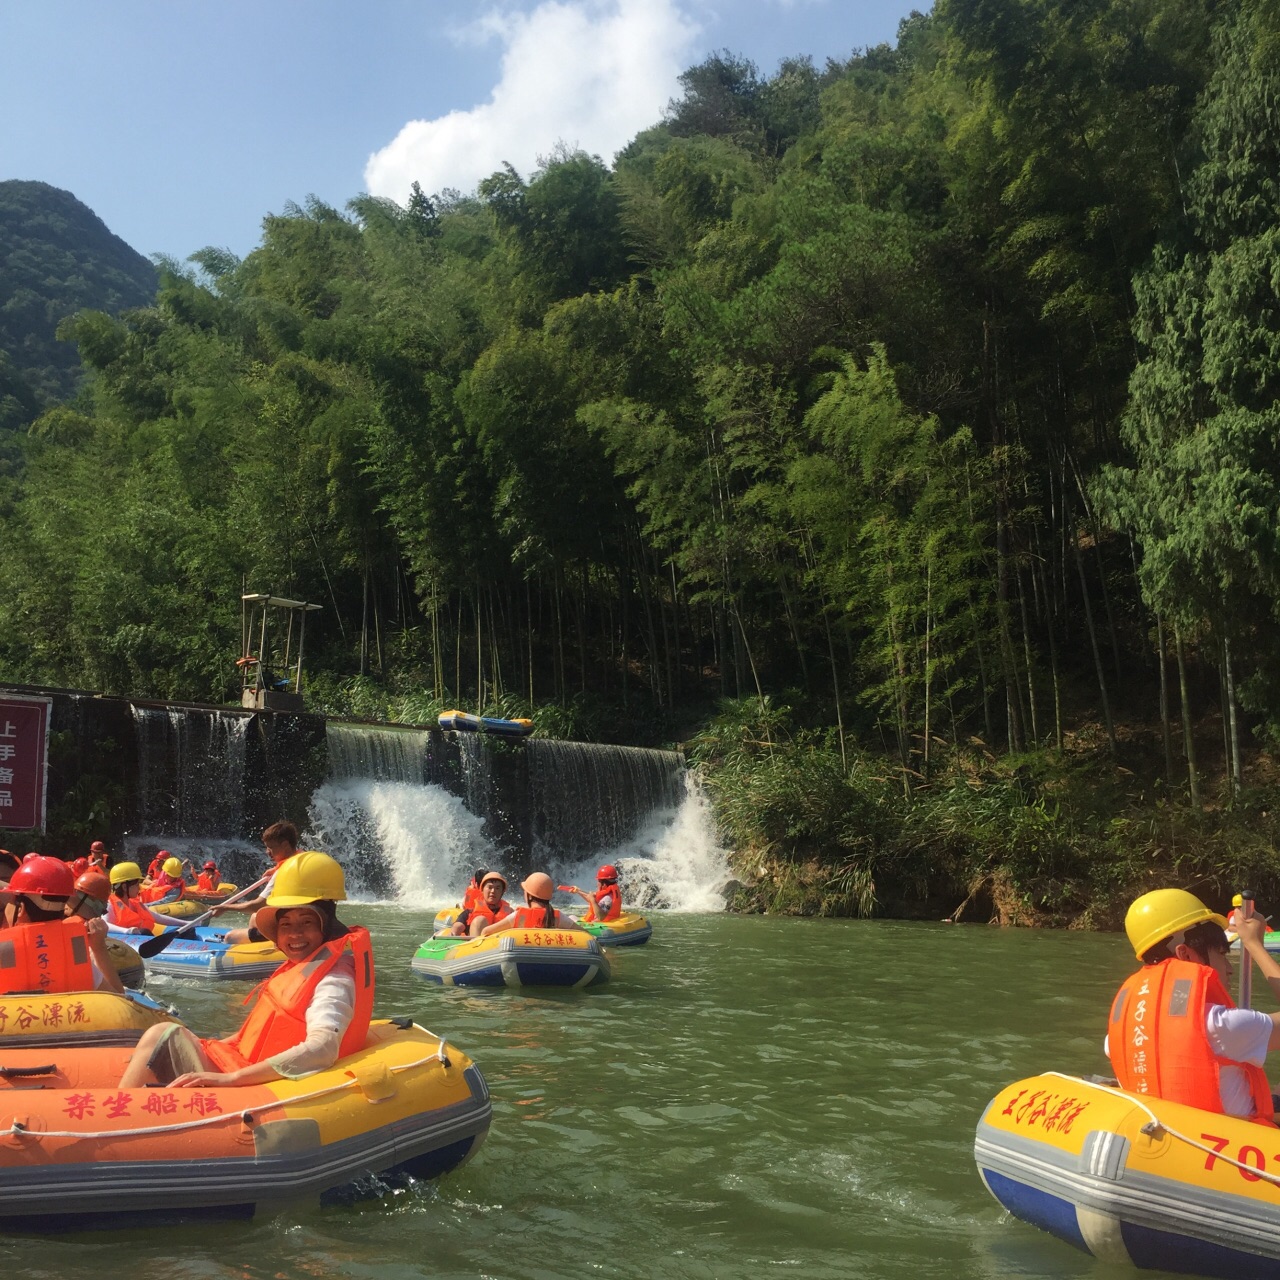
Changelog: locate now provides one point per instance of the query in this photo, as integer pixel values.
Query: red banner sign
(24, 760)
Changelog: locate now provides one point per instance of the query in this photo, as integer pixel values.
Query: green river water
(747, 1097)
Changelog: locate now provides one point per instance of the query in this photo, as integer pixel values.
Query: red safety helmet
(94, 885)
(607, 872)
(44, 876)
(97, 847)
(80, 866)
(209, 866)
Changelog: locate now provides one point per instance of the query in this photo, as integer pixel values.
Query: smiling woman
(312, 1011)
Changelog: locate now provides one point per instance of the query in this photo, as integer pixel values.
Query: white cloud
(588, 73)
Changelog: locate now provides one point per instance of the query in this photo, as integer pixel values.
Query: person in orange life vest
(41, 947)
(169, 884)
(156, 865)
(280, 840)
(93, 892)
(471, 895)
(312, 1011)
(606, 902)
(537, 913)
(208, 880)
(489, 910)
(125, 909)
(1174, 1032)
(98, 856)
(79, 866)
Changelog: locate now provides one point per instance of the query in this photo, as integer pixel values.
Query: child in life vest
(125, 909)
(48, 950)
(537, 913)
(312, 1011)
(168, 884)
(208, 880)
(606, 902)
(1174, 1032)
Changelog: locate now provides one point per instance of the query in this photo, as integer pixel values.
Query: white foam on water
(675, 863)
(421, 834)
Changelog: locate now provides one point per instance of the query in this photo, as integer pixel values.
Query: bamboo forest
(898, 436)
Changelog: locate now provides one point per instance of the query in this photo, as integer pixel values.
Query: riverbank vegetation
(930, 395)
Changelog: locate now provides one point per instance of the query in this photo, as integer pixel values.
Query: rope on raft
(18, 1130)
(1157, 1127)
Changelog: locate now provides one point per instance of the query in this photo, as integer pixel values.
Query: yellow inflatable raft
(1135, 1180)
(128, 963)
(182, 909)
(84, 1018)
(79, 1153)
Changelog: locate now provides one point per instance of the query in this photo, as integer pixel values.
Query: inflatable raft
(178, 909)
(82, 1018)
(221, 894)
(205, 955)
(630, 929)
(467, 723)
(516, 958)
(1141, 1181)
(128, 963)
(80, 1154)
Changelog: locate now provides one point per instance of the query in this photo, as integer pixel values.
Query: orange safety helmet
(538, 885)
(94, 885)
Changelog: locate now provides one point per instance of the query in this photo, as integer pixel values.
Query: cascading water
(396, 835)
(191, 786)
(589, 798)
(675, 862)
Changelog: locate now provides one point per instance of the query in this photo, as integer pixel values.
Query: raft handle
(401, 1023)
(19, 1073)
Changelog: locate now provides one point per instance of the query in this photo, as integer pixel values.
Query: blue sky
(182, 123)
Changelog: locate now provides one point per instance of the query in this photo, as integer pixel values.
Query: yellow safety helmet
(1237, 900)
(1161, 913)
(173, 866)
(307, 877)
(123, 872)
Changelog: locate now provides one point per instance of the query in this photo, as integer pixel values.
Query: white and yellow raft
(1135, 1180)
(82, 1154)
(514, 958)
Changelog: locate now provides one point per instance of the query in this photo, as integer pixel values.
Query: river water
(748, 1096)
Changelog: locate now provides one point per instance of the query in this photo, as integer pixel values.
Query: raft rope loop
(245, 1116)
(1157, 1127)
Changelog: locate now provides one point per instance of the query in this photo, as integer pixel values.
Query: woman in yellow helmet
(312, 1011)
(1174, 1031)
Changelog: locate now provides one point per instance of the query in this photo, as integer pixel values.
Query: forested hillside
(923, 405)
(56, 257)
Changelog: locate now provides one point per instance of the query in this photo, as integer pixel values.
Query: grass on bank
(1044, 838)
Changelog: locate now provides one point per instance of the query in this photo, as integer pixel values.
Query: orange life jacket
(52, 956)
(155, 869)
(129, 913)
(1159, 1044)
(278, 1021)
(483, 912)
(207, 882)
(611, 912)
(536, 918)
(98, 860)
(470, 896)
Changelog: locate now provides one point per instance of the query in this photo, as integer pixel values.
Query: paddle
(1246, 960)
(154, 946)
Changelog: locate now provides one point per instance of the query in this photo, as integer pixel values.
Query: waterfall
(674, 862)
(191, 787)
(190, 771)
(396, 835)
(375, 752)
(588, 798)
